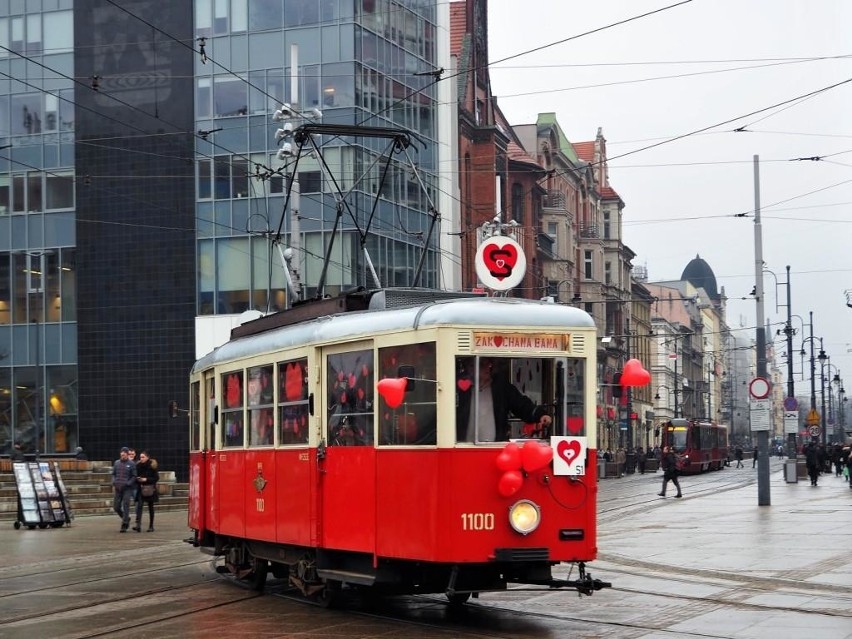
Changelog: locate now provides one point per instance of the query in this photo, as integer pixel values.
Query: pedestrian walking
(621, 460)
(753, 456)
(123, 485)
(670, 472)
(640, 459)
(738, 455)
(147, 477)
(812, 461)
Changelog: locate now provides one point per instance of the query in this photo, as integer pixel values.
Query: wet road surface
(713, 564)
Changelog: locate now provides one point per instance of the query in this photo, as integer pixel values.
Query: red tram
(327, 446)
(701, 445)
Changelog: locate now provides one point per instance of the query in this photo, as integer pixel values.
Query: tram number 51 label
(477, 521)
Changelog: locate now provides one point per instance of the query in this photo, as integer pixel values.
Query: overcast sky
(733, 57)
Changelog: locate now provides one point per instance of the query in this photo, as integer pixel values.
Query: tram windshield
(503, 398)
(676, 438)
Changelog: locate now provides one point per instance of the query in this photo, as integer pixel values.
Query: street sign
(791, 403)
(814, 431)
(813, 417)
(759, 410)
(791, 422)
(759, 388)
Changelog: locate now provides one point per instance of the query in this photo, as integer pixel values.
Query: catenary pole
(763, 498)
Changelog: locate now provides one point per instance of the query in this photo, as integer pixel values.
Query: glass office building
(140, 187)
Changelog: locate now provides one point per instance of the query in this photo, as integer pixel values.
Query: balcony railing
(589, 231)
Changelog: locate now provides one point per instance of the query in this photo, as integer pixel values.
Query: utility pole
(788, 330)
(763, 498)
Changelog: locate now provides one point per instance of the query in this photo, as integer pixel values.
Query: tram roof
(486, 313)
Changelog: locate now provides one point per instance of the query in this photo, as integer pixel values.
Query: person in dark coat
(147, 476)
(124, 485)
(812, 461)
(738, 455)
(754, 456)
(496, 399)
(640, 460)
(18, 454)
(670, 471)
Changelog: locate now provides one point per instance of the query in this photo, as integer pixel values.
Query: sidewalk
(779, 570)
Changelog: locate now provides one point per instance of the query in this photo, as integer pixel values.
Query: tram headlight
(524, 516)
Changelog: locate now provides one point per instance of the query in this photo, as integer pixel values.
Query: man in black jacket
(670, 472)
(495, 399)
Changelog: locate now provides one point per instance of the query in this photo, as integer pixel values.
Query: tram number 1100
(477, 521)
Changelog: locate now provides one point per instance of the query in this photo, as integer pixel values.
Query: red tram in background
(303, 466)
(701, 445)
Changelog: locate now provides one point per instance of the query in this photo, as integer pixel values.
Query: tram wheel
(17, 525)
(256, 579)
(458, 598)
(329, 597)
(42, 526)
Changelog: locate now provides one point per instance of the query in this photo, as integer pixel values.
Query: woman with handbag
(147, 476)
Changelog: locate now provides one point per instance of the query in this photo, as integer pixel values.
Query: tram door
(347, 477)
(210, 500)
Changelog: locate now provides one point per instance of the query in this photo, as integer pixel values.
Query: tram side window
(232, 411)
(350, 383)
(414, 422)
(261, 410)
(293, 402)
(195, 416)
(501, 398)
(570, 384)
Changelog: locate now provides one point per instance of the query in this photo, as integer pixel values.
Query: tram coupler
(584, 585)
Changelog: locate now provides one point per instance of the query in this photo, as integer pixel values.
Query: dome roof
(699, 274)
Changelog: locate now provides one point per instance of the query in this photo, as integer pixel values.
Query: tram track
(58, 610)
(88, 580)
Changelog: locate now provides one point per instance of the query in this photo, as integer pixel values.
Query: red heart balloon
(535, 456)
(510, 457)
(575, 424)
(510, 483)
(464, 385)
(392, 390)
(634, 374)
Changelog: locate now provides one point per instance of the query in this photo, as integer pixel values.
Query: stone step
(89, 489)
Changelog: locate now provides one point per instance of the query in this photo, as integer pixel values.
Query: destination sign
(528, 343)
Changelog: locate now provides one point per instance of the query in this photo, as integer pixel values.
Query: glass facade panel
(59, 189)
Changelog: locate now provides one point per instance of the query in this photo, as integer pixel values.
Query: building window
(587, 265)
(608, 273)
(606, 225)
(518, 203)
(552, 231)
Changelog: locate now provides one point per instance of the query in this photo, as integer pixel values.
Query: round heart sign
(500, 263)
